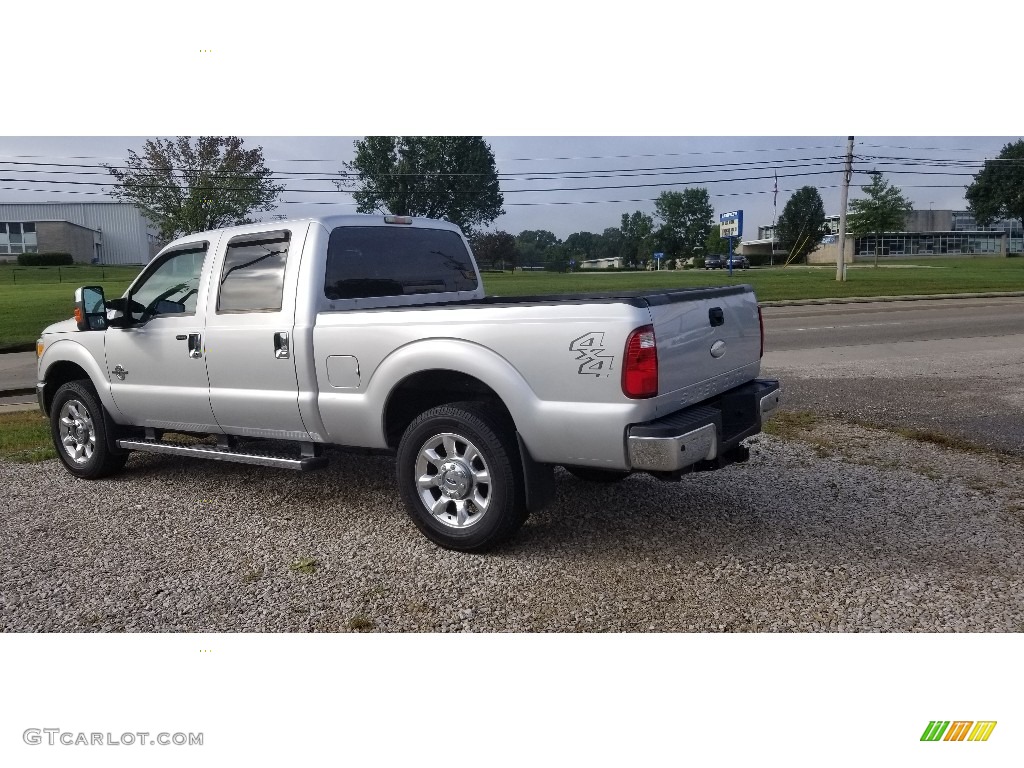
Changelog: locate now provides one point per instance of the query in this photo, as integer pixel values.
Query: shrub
(45, 259)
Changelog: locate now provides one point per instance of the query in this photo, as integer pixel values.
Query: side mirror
(90, 308)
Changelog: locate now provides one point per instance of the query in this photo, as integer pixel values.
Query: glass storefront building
(931, 243)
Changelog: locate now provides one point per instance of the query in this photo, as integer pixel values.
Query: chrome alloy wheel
(78, 434)
(453, 480)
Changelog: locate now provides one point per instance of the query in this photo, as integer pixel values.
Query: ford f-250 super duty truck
(281, 338)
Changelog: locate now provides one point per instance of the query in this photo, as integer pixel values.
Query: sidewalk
(18, 382)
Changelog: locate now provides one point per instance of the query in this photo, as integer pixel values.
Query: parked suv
(714, 262)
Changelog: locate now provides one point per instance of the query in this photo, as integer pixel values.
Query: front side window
(171, 285)
(364, 262)
(252, 279)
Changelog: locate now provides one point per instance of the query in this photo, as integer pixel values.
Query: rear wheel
(460, 477)
(79, 432)
(597, 475)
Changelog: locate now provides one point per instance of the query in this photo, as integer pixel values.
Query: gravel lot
(843, 529)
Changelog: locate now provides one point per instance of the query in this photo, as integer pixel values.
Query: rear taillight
(760, 322)
(640, 370)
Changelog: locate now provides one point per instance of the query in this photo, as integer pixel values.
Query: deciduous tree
(685, 221)
(884, 209)
(532, 246)
(998, 188)
(801, 223)
(185, 186)
(638, 238)
(495, 250)
(450, 177)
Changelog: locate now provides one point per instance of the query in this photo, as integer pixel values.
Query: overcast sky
(562, 184)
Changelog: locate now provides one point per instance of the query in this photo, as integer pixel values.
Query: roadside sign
(731, 224)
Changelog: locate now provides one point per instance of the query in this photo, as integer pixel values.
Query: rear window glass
(364, 262)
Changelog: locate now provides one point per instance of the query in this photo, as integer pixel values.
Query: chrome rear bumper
(702, 433)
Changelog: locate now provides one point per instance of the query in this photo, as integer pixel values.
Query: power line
(504, 191)
(506, 160)
(527, 175)
(551, 202)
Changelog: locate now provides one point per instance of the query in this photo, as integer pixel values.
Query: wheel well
(59, 374)
(427, 389)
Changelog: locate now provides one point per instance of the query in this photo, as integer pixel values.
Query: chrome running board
(305, 463)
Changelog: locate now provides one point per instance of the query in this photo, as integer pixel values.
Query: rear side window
(365, 262)
(253, 276)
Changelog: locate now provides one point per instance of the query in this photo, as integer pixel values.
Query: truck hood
(64, 326)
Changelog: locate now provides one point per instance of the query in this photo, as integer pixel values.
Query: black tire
(78, 427)
(458, 444)
(592, 475)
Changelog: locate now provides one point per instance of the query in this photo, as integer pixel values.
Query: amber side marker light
(39, 349)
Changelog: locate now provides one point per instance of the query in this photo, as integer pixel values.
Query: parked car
(714, 261)
(737, 262)
(280, 338)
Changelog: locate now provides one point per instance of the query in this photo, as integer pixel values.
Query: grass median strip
(896, 278)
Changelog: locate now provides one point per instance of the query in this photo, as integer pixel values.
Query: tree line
(189, 186)
(680, 229)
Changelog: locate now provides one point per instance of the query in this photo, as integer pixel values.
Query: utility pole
(843, 198)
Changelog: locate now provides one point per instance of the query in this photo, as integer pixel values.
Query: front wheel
(79, 432)
(460, 477)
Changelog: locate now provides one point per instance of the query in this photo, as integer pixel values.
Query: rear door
(250, 356)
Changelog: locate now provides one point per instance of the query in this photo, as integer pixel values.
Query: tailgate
(709, 340)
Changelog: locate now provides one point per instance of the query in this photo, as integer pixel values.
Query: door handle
(195, 345)
(282, 349)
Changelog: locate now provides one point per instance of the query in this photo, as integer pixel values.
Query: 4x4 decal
(590, 351)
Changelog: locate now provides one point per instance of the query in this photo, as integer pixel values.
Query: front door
(249, 331)
(155, 366)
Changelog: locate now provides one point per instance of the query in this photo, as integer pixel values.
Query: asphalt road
(953, 366)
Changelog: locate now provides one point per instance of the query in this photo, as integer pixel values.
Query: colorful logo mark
(958, 730)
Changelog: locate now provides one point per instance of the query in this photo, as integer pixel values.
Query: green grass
(33, 297)
(778, 283)
(25, 437)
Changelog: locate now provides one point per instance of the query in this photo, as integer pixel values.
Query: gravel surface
(840, 528)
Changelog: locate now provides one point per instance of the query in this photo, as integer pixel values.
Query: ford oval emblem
(718, 348)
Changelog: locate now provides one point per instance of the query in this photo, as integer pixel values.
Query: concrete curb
(877, 299)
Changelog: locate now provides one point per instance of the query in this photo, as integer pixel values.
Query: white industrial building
(93, 232)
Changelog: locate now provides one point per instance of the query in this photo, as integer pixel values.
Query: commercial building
(94, 232)
(607, 263)
(926, 233)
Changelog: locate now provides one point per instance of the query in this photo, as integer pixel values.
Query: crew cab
(270, 342)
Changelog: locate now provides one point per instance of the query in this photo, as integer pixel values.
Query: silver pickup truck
(274, 340)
